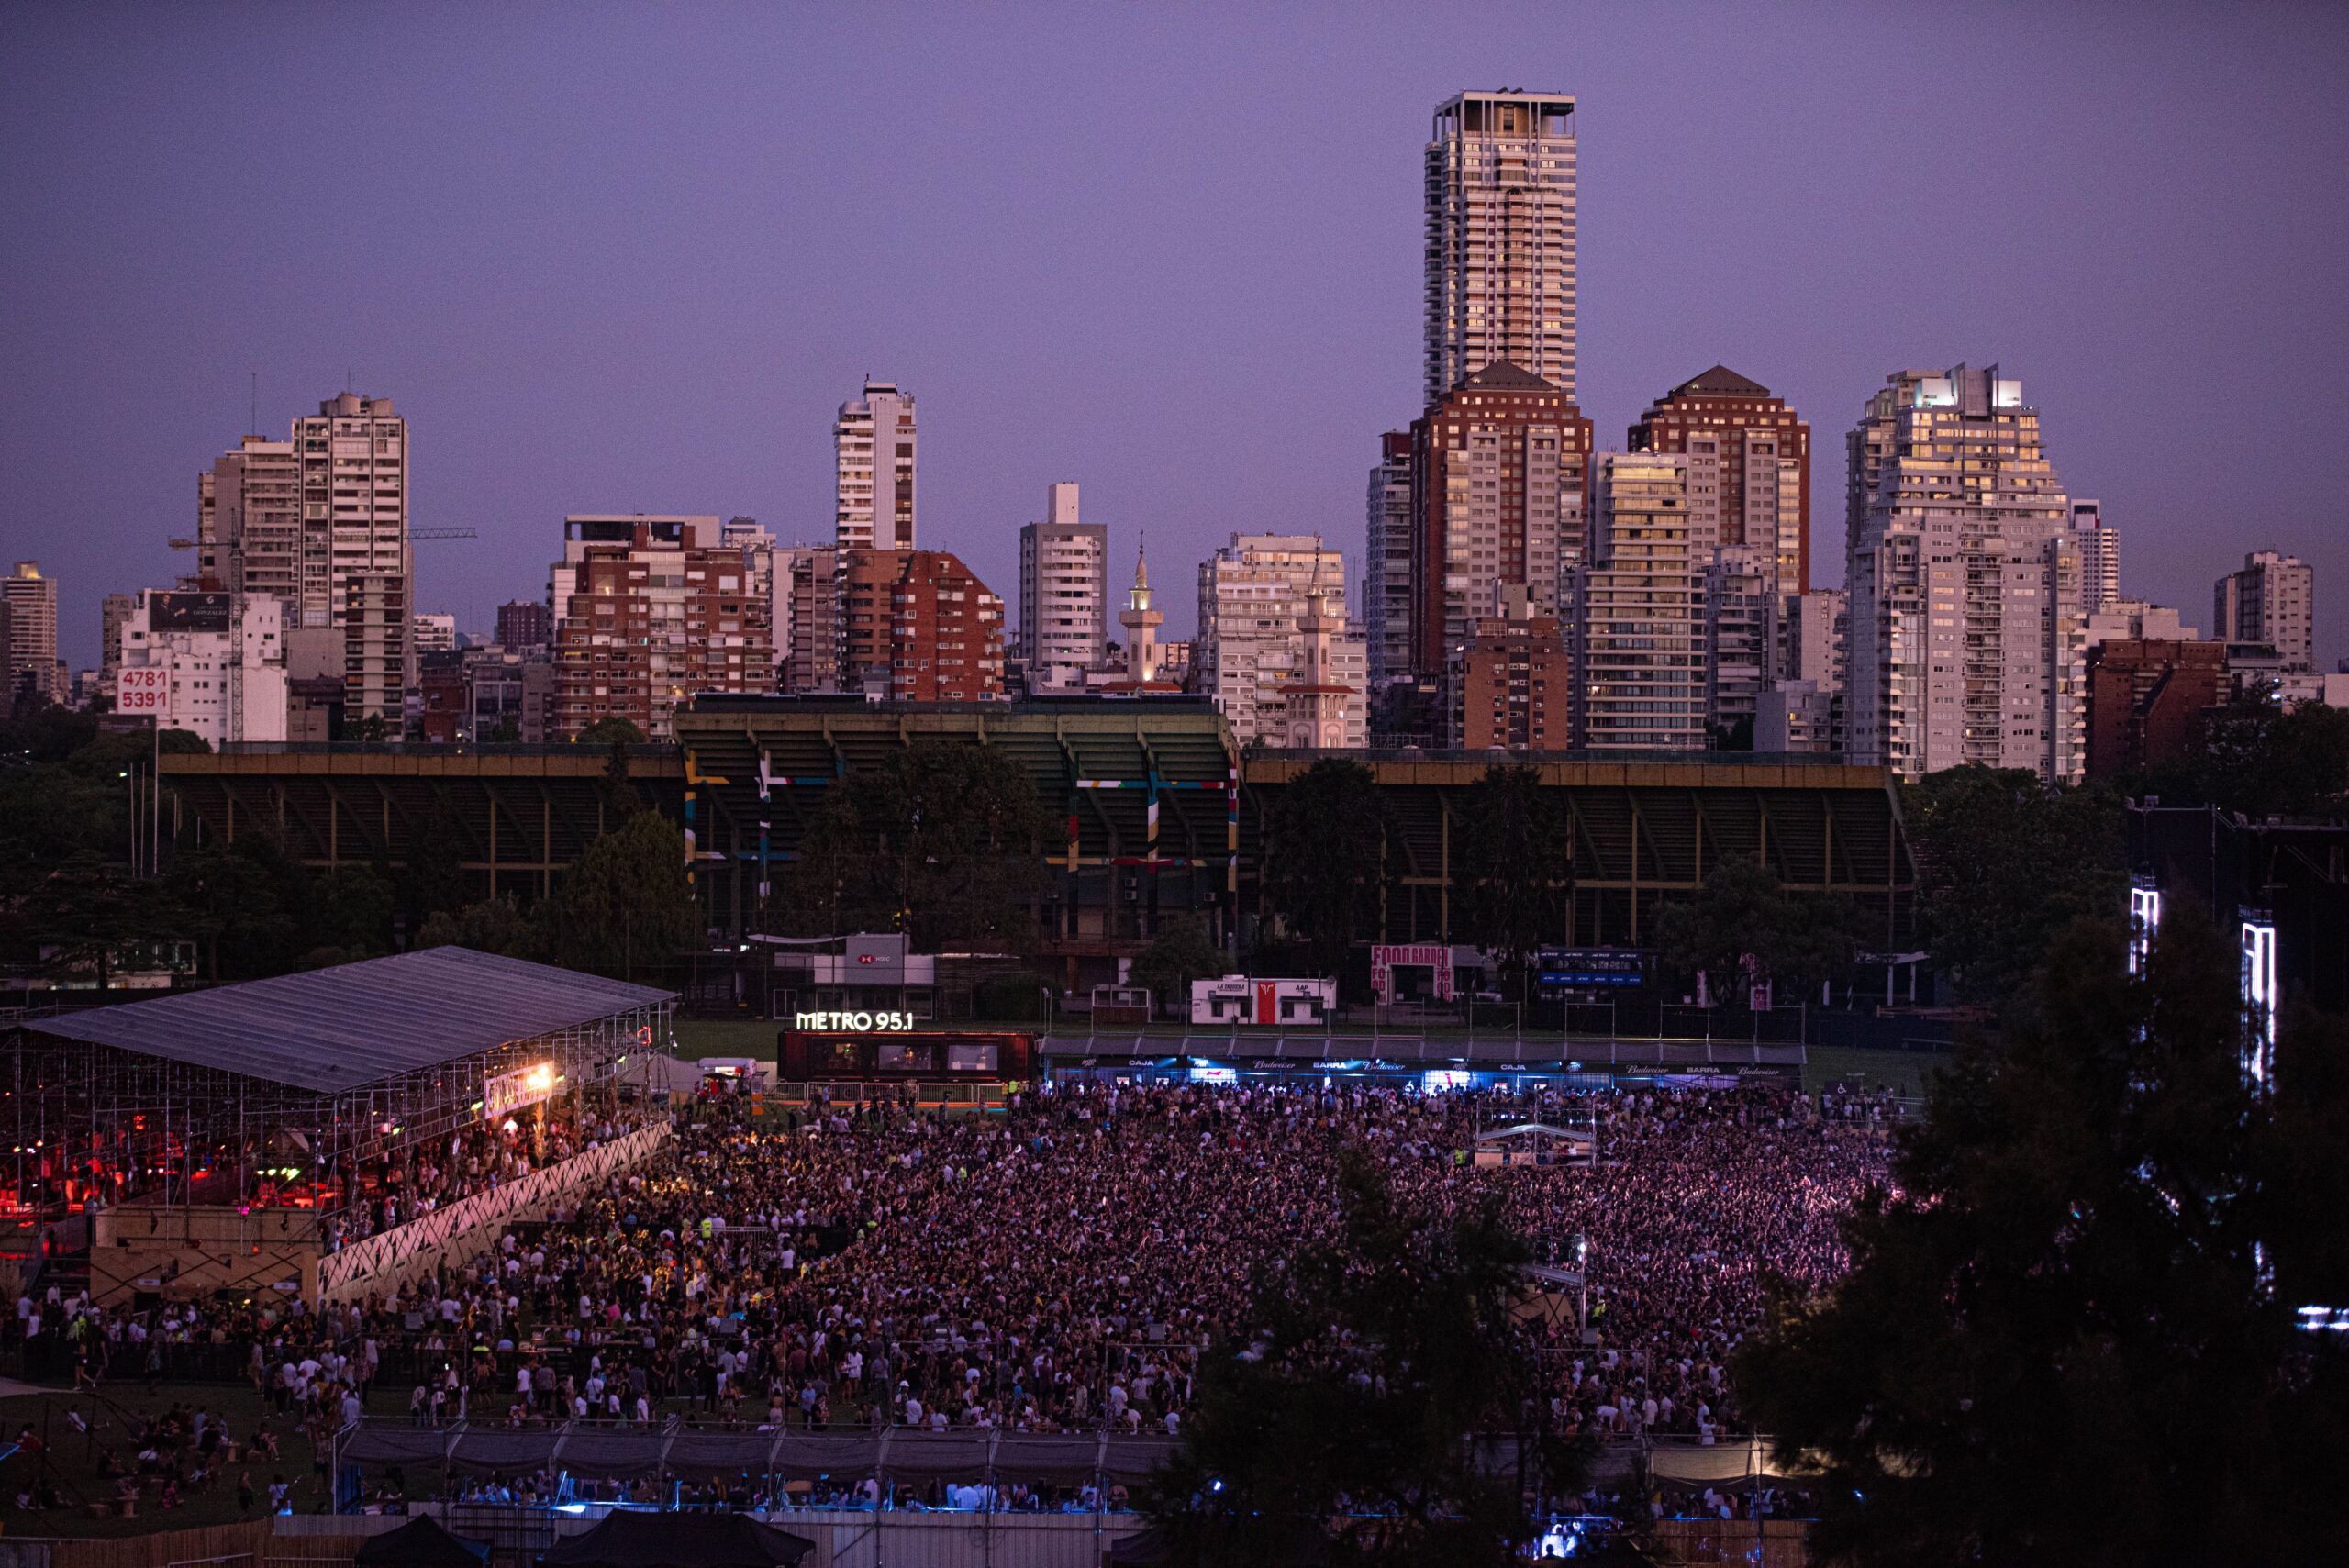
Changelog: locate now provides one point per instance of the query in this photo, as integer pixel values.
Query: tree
(611, 732)
(1512, 865)
(90, 916)
(250, 907)
(2004, 862)
(1797, 941)
(1325, 859)
(355, 906)
(1180, 954)
(494, 924)
(943, 841)
(2261, 759)
(433, 877)
(1351, 1410)
(507, 731)
(2057, 1343)
(625, 906)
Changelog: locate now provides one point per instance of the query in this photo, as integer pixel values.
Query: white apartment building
(2271, 600)
(250, 537)
(32, 599)
(2099, 555)
(766, 567)
(1064, 594)
(2134, 620)
(873, 448)
(435, 632)
(1638, 623)
(210, 663)
(1386, 562)
(1260, 639)
(1500, 239)
(354, 480)
(1965, 631)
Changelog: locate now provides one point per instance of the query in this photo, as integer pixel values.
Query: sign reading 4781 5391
(142, 689)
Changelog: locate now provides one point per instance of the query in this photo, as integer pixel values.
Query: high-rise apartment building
(1387, 564)
(297, 519)
(2099, 556)
(2271, 600)
(355, 476)
(872, 446)
(811, 650)
(210, 663)
(1801, 709)
(33, 635)
(1638, 613)
(1500, 239)
(113, 610)
(1499, 474)
(1253, 645)
(1511, 686)
(1064, 594)
(1965, 631)
(523, 625)
(378, 648)
(1749, 469)
(435, 632)
(249, 536)
(647, 611)
(1741, 606)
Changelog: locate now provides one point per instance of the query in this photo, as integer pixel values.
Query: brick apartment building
(2145, 698)
(647, 611)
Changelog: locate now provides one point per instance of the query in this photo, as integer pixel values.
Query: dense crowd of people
(1057, 1268)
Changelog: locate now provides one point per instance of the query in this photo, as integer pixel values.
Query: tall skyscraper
(1064, 594)
(2099, 556)
(1751, 486)
(113, 610)
(1638, 613)
(1500, 239)
(872, 446)
(1500, 469)
(1254, 636)
(2271, 600)
(32, 622)
(1965, 642)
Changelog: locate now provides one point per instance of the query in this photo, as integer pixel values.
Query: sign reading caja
(863, 1022)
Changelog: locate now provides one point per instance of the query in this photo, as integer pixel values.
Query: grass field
(724, 1037)
(74, 1455)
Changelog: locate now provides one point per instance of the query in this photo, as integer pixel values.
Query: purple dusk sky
(623, 258)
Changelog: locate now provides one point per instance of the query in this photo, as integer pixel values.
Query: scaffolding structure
(309, 1093)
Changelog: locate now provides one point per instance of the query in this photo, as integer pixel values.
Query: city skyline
(692, 360)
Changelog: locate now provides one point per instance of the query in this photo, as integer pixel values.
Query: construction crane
(413, 534)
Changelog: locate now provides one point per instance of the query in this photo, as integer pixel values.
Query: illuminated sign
(2258, 999)
(2145, 922)
(504, 1092)
(859, 1022)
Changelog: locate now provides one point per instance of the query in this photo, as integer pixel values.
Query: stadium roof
(337, 1029)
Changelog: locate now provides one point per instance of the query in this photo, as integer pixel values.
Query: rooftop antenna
(252, 409)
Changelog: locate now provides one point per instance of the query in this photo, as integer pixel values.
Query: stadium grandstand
(314, 1134)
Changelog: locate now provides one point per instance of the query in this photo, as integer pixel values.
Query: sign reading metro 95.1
(894, 1023)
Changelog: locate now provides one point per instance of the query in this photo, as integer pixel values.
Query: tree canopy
(2059, 1342)
(942, 841)
(1349, 1412)
(2261, 759)
(1326, 857)
(1512, 860)
(2004, 862)
(1797, 940)
(625, 908)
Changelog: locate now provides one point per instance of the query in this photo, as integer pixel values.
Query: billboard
(1385, 959)
(1245, 999)
(142, 689)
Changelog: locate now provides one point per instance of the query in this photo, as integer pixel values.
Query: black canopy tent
(631, 1540)
(422, 1542)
